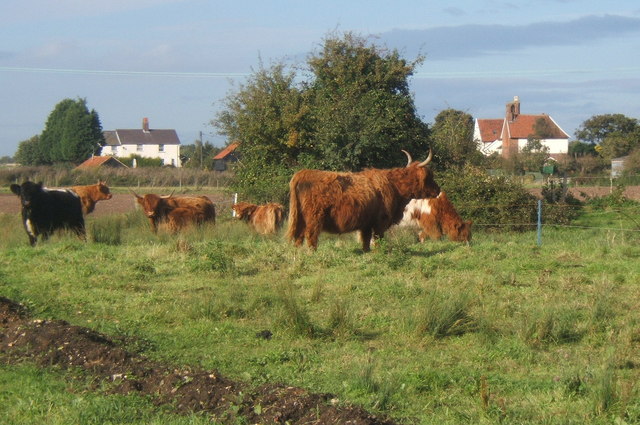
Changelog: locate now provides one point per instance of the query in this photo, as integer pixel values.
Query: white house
(145, 142)
(510, 134)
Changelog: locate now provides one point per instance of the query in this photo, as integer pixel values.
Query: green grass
(502, 331)
(29, 395)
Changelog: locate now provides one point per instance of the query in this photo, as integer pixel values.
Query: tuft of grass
(552, 325)
(107, 230)
(445, 314)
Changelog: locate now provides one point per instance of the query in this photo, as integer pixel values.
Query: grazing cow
(436, 217)
(177, 211)
(47, 210)
(265, 219)
(369, 201)
(91, 194)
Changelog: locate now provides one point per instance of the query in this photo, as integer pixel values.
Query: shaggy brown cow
(436, 217)
(178, 211)
(369, 201)
(91, 194)
(265, 219)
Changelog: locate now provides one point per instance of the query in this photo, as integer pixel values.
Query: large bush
(499, 202)
(493, 202)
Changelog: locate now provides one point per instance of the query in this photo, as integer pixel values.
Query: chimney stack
(145, 125)
(513, 109)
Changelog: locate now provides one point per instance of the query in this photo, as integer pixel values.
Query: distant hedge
(62, 175)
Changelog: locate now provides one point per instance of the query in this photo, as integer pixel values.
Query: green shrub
(494, 202)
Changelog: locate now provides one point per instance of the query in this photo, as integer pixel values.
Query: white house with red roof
(510, 134)
(145, 142)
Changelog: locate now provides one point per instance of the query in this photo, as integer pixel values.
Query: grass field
(502, 331)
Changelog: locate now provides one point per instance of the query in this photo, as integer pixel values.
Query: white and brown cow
(436, 217)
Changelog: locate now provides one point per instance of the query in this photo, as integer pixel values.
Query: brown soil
(119, 204)
(55, 342)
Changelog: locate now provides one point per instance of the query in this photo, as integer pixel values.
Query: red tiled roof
(226, 151)
(490, 129)
(524, 126)
(97, 161)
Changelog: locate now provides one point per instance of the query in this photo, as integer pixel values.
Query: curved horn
(169, 195)
(428, 160)
(135, 194)
(409, 160)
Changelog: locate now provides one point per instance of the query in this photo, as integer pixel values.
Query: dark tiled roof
(140, 137)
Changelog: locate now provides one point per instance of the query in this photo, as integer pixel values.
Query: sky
(174, 61)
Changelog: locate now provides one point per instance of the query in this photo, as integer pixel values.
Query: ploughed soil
(56, 342)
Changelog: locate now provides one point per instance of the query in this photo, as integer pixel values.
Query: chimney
(513, 109)
(145, 125)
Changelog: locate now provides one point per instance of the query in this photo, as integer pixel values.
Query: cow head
(420, 183)
(150, 203)
(28, 192)
(103, 192)
(463, 232)
(244, 210)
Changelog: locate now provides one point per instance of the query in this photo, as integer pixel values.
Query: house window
(139, 148)
(114, 149)
(160, 148)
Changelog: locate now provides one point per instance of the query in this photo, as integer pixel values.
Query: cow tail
(292, 229)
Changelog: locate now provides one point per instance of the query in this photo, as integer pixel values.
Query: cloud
(443, 43)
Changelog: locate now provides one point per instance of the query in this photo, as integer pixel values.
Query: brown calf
(437, 216)
(91, 194)
(265, 219)
(177, 211)
(369, 201)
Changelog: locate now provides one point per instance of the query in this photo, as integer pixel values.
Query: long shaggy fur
(177, 211)
(91, 194)
(369, 201)
(436, 217)
(265, 219)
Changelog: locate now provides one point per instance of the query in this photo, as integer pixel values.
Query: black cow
(46, 210)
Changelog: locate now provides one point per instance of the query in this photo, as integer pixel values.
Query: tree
(72, 133)
(266, 114)
(354, 111)
(362, 112)
(198, 155)
(616, 134)
(28, 152)
(452, 139)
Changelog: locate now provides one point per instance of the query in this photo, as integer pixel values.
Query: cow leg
(312, 232)
(365, 236)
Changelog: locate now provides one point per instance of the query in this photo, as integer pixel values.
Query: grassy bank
(502, 331)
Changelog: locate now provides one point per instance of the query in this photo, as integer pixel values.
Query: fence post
(539, 222)
(235, 201)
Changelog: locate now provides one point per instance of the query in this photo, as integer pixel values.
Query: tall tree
(28, 152)
(452, 139)
(266, 114)
(616, 134)
(72, 133)
(354, 110)
(363, 113)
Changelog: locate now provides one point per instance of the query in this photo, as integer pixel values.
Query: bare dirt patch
(56, 342)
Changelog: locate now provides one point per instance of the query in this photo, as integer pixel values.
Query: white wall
(170, 156)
